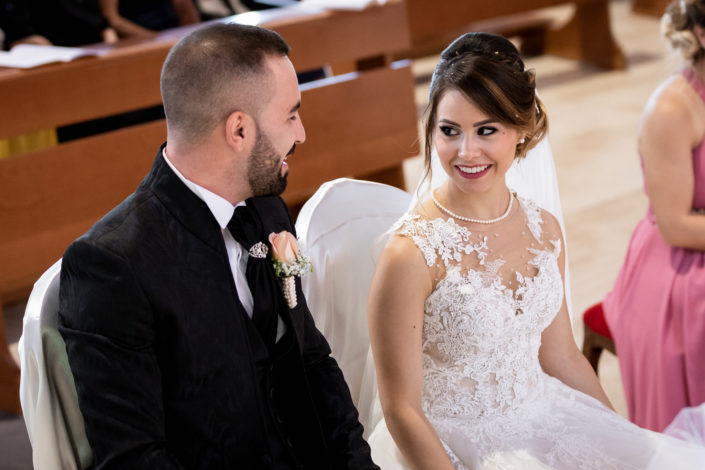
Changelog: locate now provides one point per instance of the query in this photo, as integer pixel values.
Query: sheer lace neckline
(491, 293)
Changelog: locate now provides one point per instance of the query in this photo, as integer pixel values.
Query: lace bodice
(495, 292)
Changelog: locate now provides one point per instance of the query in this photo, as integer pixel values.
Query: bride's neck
(481, 205)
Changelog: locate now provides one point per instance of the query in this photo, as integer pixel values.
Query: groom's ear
(240, 131)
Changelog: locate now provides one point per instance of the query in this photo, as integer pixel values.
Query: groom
(184, 350)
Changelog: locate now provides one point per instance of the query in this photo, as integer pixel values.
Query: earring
(523, 139)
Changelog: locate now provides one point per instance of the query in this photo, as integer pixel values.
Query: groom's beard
(264, 168)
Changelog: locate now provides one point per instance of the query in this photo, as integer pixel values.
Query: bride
(475, 358)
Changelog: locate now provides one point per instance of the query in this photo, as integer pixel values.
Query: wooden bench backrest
(357, 124)
(587, 36)
(428, 20)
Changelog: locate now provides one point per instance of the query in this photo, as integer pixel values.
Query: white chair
(47, 390)
(340, 229)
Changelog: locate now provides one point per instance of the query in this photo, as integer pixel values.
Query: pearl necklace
(475, 221)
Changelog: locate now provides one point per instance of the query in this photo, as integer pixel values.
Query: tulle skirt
(559, 429)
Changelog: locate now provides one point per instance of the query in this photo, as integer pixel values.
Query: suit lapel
(185, 206)
(191, 212)
(274, 217)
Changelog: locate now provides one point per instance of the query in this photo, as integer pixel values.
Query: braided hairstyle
(488, 70)
(677, 26)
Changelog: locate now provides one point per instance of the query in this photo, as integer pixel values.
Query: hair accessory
(469, 219)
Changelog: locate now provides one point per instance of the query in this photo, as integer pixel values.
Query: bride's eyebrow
(448, 121)
(483, 122)
(477, 124)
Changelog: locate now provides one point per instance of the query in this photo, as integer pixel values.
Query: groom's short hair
(214, 71)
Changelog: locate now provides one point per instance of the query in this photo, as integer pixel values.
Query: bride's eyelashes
(486, 130)
(448, 131)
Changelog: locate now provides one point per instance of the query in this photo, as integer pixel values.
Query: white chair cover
(47, 390)
(338, 228)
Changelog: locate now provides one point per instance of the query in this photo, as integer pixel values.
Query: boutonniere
(288, 262)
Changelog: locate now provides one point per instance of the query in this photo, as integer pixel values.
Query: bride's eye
(486, 130)
(447, 130)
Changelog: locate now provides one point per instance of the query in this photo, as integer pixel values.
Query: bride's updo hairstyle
(488, 70)
(677, 26)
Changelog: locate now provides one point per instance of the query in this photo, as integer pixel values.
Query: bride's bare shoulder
(401, 249)
(403, 263)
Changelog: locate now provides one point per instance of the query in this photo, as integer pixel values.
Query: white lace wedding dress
(484, 391)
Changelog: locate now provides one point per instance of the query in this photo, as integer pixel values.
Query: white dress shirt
(223, 211)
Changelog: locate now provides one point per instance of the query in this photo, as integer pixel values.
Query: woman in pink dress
(656, 311)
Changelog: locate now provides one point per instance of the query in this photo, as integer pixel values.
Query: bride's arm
(400, 285)
(560, 356)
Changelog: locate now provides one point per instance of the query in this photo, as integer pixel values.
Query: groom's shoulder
(127, 224)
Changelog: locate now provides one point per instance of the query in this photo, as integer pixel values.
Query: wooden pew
(361, 124)
(587, 36)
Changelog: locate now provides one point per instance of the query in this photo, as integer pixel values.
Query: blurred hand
(110, 36)
(35, 39)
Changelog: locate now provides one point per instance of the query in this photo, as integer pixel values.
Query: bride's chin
(472, 187)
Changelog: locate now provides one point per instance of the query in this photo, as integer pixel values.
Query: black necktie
(246, 227)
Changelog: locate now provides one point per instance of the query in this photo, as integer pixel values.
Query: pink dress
(656, 313)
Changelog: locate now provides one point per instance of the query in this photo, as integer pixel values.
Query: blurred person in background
(58, 22)
(656, 310)
(49, 22)
(142, 18)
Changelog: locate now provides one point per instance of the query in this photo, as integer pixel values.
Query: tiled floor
(594, 116)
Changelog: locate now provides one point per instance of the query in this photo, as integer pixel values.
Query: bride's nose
(468, 147)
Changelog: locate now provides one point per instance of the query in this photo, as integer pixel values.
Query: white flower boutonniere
(288, 262)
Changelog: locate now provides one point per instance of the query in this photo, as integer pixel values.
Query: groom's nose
(300, 132)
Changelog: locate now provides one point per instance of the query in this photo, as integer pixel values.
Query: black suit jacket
(159, 347)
